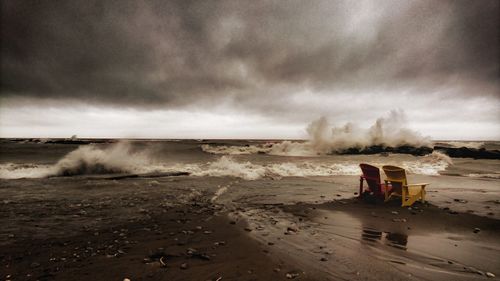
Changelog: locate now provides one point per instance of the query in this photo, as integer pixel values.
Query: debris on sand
(193, 253)
(163, 262)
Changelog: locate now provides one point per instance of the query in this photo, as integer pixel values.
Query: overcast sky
(247, 69)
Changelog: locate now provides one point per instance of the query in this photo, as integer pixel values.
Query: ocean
(71, 207)
(244, 159)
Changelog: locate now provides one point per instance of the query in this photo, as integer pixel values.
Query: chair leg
(410, 201)
(413, 198)
(387, 195)
(403, 196)
(360, 186)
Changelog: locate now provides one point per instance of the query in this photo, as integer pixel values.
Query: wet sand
(210, 228)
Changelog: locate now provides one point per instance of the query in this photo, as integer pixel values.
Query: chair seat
(371, 175)
(409, 193)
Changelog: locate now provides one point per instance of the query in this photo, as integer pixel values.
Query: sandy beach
(225, 228)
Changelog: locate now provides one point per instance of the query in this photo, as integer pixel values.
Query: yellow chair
(409, 193)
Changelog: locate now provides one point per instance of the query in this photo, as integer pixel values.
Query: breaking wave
(486, 176)
(85, 160)
(90, 159)
(430, 164)
(227, 166)
(77, 163)
(389, 131)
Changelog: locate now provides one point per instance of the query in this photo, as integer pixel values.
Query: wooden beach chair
(371, 175)
(409, 193)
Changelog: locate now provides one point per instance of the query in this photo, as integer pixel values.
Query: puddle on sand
(452, 254)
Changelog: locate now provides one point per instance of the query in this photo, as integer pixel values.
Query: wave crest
(284, 148)
(91, 159)
(430, 164)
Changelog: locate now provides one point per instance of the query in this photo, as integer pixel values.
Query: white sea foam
(218, 193)
(226, 166)
(486, 176)
(284, 148)
(430, 164)
(121, 158)
(235, 150)
(17, 171)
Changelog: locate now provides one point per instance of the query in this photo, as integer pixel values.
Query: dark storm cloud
(152, 53)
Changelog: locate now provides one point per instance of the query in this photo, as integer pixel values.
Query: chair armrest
(418, 184)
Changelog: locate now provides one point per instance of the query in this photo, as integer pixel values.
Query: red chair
(371, 175)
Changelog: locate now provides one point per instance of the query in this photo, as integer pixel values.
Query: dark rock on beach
(466, 152)
(376, 149)
(461, 152)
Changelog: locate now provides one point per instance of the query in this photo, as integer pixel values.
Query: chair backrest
(394, 173)
(372, 177)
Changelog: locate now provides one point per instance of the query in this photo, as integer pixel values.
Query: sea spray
(92, 159)
(389, 133)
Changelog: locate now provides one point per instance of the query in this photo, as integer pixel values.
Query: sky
(247, 69)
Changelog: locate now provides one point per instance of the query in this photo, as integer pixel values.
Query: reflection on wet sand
(430, 244)
(396, 240)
